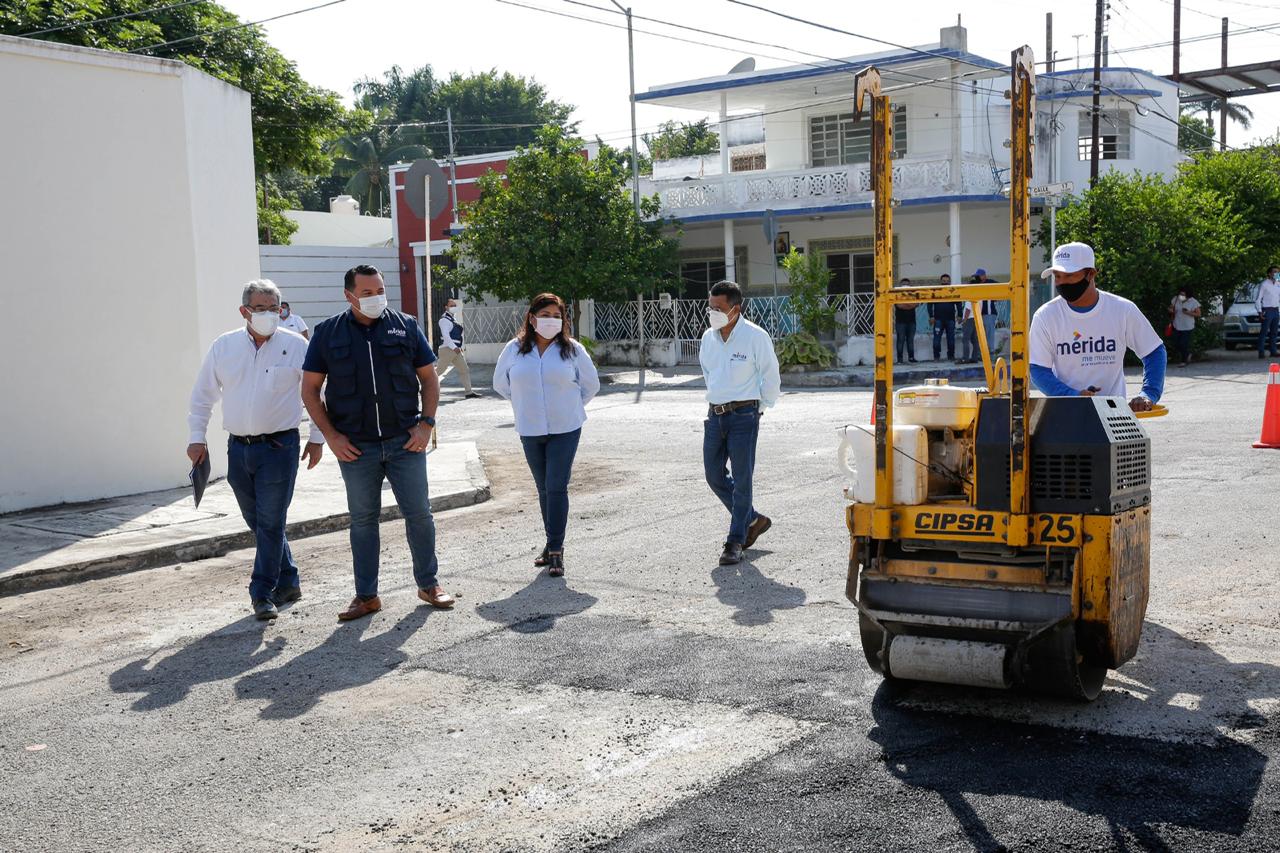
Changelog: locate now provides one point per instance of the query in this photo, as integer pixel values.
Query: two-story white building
(951, 163)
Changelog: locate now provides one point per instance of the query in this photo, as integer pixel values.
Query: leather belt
(726, 408)
(261, 439)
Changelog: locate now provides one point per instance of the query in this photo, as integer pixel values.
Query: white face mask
(456, 311)
(264, 322)
(373, 306)
(718, 319)
(548, 327)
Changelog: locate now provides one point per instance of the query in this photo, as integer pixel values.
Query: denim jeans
(729, 441)
(989, 326)
(261, 476)
(550, 458)
(905, 335)
(939, 326)
(1269, 329)
(1182, 343)
(407, 473)
(969, 349)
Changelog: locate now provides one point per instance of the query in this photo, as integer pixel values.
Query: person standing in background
(1268, 305)
(904, 327)
(1183, 312)
(292, 322)
(942, 317)
(451, 353)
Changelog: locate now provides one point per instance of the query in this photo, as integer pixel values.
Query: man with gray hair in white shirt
(741, 372)
(256, 370)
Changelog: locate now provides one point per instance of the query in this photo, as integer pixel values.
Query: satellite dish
(415, 193)
(748, 64)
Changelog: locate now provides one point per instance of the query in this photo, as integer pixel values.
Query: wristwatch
(423, 419)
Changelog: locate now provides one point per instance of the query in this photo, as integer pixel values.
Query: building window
(700, 269)
(838, 140)
(746, 162)
(1115, 135)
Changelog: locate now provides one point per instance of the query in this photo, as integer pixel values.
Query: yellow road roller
(997, 539)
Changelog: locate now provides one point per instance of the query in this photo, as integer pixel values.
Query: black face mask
(1072, 292)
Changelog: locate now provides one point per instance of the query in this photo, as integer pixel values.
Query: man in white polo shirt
(256, 370)
(292, 322)
(741, 372)
(1078, 339)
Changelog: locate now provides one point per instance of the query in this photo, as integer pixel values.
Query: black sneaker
(263, 609)
(555, 565)
(286, 594)
(732, 554)
(471, 395)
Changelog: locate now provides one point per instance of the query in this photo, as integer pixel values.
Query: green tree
(274, 228)
(682, 139)
(1248, 182)
(808, 276)
(562, 223)
(363, 159)
(1153, 236)
(492, 111)
(292, 120)
(1236, 112)
(1194, 134)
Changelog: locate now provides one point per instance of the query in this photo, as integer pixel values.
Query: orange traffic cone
(1271, 411)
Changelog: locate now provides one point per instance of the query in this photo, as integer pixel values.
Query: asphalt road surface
(650, 700)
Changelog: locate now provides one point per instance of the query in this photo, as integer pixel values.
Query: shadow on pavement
(227, 652)
(754, 595)
(347, 658)
(536, 608)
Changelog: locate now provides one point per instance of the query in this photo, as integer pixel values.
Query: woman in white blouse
(549, 379)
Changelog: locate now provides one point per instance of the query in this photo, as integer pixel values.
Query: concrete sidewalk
(62, 544)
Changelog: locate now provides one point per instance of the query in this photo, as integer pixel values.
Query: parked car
(1241, 323)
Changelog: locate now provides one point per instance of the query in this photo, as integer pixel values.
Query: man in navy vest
(451, 354)
(375, 366)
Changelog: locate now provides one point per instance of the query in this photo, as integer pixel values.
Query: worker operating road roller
(1078, 339)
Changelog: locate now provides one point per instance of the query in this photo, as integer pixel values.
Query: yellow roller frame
(1022, 97)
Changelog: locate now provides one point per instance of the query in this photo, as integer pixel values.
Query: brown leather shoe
(358, 608)
(436, 597)
(760, 525)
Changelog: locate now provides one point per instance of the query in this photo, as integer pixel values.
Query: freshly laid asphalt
(650, 700)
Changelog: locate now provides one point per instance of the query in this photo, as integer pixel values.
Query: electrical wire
(241, 26)
(95, 21)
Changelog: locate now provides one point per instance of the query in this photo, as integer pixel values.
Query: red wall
(410, 227)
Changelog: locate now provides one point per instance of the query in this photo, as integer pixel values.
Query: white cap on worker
(1071, 257)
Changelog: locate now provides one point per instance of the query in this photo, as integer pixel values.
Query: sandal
(541, 559)
(556, 562)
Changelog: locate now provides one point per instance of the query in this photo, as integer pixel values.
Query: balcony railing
(819, 187)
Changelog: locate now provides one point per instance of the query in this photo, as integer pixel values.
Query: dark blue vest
(372, 389)
(455, 331)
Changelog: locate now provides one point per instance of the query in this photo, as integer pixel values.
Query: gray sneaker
(286, 594)
(264, 609)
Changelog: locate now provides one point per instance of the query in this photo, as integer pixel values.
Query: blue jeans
(262, 476)
(939, 326)
(730, 441)
(989, 326)
(905, 335)
(550, 458)
(969, 349)
(1269, 329)
(407, 473)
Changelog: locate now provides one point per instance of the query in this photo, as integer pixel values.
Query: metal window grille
(1115, 135)
(838, 140)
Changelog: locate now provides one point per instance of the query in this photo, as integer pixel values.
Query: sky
(585, 64)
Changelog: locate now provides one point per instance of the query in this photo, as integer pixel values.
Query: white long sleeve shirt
(744, 367)
(1268, 295)
(446, 328)
(548, 393)
(260, 387)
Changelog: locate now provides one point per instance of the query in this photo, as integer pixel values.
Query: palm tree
(1238, 113)
(363, 159)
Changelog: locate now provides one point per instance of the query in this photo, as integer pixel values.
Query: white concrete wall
(336, 229)
(310, 277)
(136, 175)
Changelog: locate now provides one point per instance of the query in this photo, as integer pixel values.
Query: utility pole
(635, 176)
(1052, 129)
(1097, 92)
(453, 170)
(1177, 38)
(1048, 41)
(1222, 105)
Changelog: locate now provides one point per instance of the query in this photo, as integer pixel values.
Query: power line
(94, 21)
(221, 30)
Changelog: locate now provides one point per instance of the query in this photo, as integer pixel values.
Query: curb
(213, 546)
